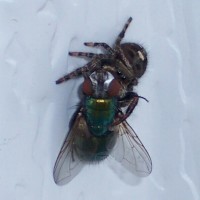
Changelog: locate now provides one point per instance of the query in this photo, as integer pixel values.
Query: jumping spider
(127, 61)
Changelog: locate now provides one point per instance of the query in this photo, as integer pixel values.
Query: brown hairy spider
(127, 61)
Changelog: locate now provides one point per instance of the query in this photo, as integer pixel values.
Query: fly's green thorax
(100, 114)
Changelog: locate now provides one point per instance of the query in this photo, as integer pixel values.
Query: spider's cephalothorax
(127, 61)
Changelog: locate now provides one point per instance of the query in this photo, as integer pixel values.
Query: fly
(99, 129)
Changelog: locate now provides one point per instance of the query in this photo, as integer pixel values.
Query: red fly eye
(87, 87)
(114, 88)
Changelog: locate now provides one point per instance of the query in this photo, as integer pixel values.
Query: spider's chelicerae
(126, 61)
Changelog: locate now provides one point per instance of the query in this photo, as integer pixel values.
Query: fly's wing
(68, 165)
(130, 151)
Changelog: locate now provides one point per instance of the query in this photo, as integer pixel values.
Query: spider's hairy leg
(125, 70)
(85, 54)
(100, 44)
(122, 33)
(78, 72)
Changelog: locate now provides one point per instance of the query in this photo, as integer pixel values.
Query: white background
(35, 38)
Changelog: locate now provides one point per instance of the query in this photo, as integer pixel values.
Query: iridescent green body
(100, 114)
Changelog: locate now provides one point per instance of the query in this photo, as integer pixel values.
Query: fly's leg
(91, 66)
(122, 33)
(129, 110)
(101, 44)
(86, 54)
(130, 100)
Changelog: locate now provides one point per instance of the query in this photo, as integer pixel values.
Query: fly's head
(102, 84)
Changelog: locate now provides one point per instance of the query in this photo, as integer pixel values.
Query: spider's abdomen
(136, 57)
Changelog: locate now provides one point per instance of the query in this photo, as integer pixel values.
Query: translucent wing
(68, 164)
(130, 151)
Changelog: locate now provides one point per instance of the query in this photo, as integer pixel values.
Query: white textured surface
(35, 38)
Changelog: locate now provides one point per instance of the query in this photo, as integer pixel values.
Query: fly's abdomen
(94, 149)
(100, 114)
